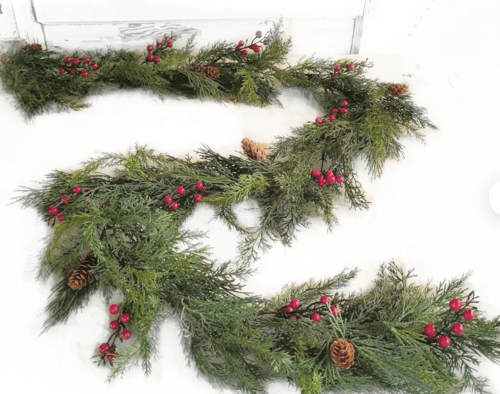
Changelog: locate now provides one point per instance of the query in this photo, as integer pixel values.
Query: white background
(429, 211)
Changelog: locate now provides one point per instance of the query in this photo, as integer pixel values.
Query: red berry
(455, 304)
(65, 200)
(53, 211)
(430, 331)
(62, 71)
(150, 48)
(244, 52)
(114, 325)
(77, 189)
(157, 60)
(319, 120)
(337, 68)
(199, 186)
(94, 66)
(444, 341)
(351, 66)
(150, 58)
(86, 60)
(198, 198)
(293, 318)
(60, 217)
(339, 179)
(331, 118)
(345, 103)
(166, 36)
(316, 316)
(159, 43)
(468, 314)
(363, 64)
(85, 73)
(168, 200)
(76, 62)
(241, 43)
(335, 310)
(256, 48)
(288, 309)
(72, 72)
(170, 44)
(68, 59)
(175, 206)
(321, 182)
(330, 178)
(343, 111)
(315, 173)
(126, 334)
(295, 303)
(335, 110)
(125, 318)
(114, 309)
(181, 190)
(324, 300)
(457, 329)
(112, 357)
(103, 349)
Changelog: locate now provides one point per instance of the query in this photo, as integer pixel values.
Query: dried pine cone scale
(32, 47)
(254, 150)
(82, 276)
(342, 353)
(398, 89)
(208, 71)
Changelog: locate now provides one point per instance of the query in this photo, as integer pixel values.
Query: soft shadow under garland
(119, 231)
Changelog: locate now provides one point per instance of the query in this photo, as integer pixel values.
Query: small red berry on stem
(94, 66)
(104, 348)
(199, 186)
(315, 173)
(72, 72)
(319, 120)
(345, 103)
(76, 62)
(168, 200)
(65, 200)
(351, 66)
(112, 357)
(126, 334)
(114, 309)
(288, 309)
(321, 182)
(198, 198)
(241, 43)
(293, 318)
(444, 341)
(315, 316)
(181, 190)
(170, 44)
(324, 300)
(77, 189)
(62, 71)
(85, 74)
(150, 58)
(455, 304)
(53, 211)
(157, 60)
(295, 303)
(330, 177)
(335, 310)
(150, 48)
(339, 179)
(256, 48)
(343, 111)
(68, 59)
(61, 217)
(337, 68)
(86, 60)
(175, 206)
(457, 329)
(125, 318)
(159, 43)
(430, 331)
(114, 325)
(331, 118)
(244, 52)
(468, 314)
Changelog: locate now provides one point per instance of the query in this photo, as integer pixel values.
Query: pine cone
(82, 275)
(342, 353)
(254, 150)
(208, 71)
(33, 48)
(397, 89)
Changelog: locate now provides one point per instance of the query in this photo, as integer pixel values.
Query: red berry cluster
(77, 66)
(347, 68)
(54, 211)
(456, 309)
(166, 43)
(333, 116)
(181, 191)
(314, 311)
(254, 45)
(118, 325)
(328, 178)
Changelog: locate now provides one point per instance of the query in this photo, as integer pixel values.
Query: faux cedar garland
(121, 232)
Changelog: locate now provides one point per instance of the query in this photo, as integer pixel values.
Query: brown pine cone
(32, 47)
(82, 275)
(254, 150)
(342, 353)
(397, 89)
(208, 71)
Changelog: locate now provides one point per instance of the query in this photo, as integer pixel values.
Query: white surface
(430, 211)
(495, 197)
